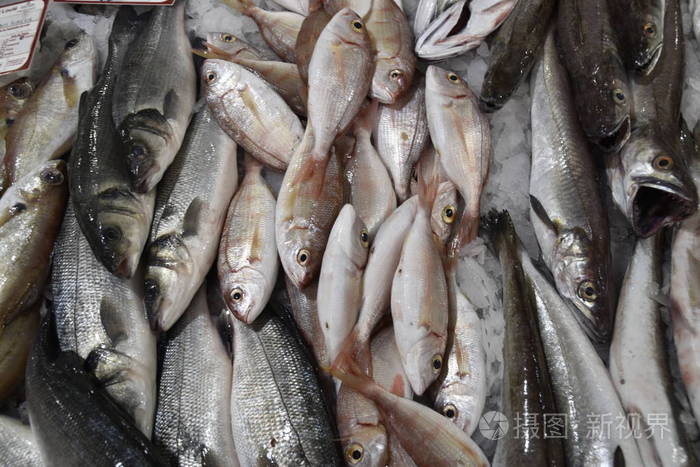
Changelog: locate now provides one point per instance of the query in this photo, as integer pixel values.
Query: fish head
(347, 27)
(581, 276)
(604, 108)
(366, 446)
(244, 293)
(646, 37)
(225, 45)
(456, 403)
(446, 84)
(79, 49)
(444, 211)
(219, 77)
(40, 183)
(424, 361)
(658, 188)
(392, 78)
(300, 256)
(12, 98)
(148, 138)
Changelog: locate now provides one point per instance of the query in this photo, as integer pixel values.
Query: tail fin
(240, 5)
(467, 230)
(353, 376)
(251, 164)
(354, 352)
(365, 120)
(428, 183)
(500, 230)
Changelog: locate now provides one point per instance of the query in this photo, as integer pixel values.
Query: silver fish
(248, 264)
(305, 314)
(152, 114)
(193, 417)
(18, 444)
(233, 47)
(189, 217)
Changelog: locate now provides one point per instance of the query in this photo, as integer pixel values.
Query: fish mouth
(617, 138)
(492, 104)
(152, 299)
(656, 204)
(652, 58)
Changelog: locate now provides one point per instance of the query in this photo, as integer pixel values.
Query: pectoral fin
(194, 217)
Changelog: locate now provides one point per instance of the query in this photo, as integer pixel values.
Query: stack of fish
(181, 317)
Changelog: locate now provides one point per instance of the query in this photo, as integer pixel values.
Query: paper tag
(20, 24)
(120, 2)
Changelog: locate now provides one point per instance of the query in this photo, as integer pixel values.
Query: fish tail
(428, 183)
(367, 117)
(251, 164)
(356, 379)
(240, 5)
(467, 230)
(499, 229)
(354, 351)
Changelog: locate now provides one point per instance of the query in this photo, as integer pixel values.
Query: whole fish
(340, 73)
(392, 42)
(462, 138)
(527, 390)
(249, 110)
(153, 114)
(303, 216)
(13, 97)
(189, 216)
(640, 32)
(371, 191)
(19, 444)
(45, 127)
(114, 218)
(279, 29)
(566, 209)
(461, 392)
(74, 421)
(30, 217)
(15, 343)
(598, 77)
(233, 47)
(462, 26)
(340, 279)
(583, 390)
(247, 263)
(638, 364)
(193, 417)
(308, 35)
(401, 135)
(419, 299)
(514, 50)
(273, 376)
(101, 318)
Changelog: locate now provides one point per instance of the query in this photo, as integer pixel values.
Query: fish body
(13, 97)
(152, 114)
(193, 418)
(247, 263)
(250, 110)
(303, 7)
(279, 29)
(640, 32)
(15, 344)
(638, 364)
(19, 444)
(567, 211)
(272, 376)
(401, 135)
(305, 314)
(189, 216)
(310, 30)
(45, 127)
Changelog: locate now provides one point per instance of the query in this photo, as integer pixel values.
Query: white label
(120, 2)
(20, 23)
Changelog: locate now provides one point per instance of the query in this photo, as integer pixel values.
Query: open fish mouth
(651, 60)
(617, 138)
(655, 205)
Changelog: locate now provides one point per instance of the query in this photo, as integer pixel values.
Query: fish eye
(71, 43)
(448, 214)
(663, 162)
(52, 176)
(356, 25)
(227, 38)
(236, 294)
(395, 74)
(452, 77)
(437, 363)
(587, 291)
(210, 77)
(354, 453)
(364, 238)
(618, 96)
(17, 208)
(649, 29)
(20, 91)
(138, 150)
(450, 411)
(303, 257)
(110, 234)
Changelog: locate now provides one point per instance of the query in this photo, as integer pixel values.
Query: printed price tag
(120, 2)
(20, 24)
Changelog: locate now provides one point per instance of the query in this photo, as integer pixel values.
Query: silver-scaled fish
(19, 444)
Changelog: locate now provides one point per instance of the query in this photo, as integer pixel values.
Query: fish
(303, 216)
(371, 191)
(419, 299)
(461, 27)
(190, 210)
(638, 363)
(279, 29)
(247, 263)
(113, 216)
(583, 390)
(101, 318)
(527, 389)
(567, 212)
(230, 47)
(640, 32)
(304, 311)
(461, 135)
(308, 35)
(303, 7)
(401, 135)
(513, 51)
(30, 218)
(13, 97)
(460, 391)
(19, 444)
(598, 77)
(74, 421)
(392, 42)
(193, 417)
(45, 127)
(361, 7)
(153, 113)
(340, 279)
(249, 110)
(15, 344)
(340, 73)
(273, 376)
(362, 432)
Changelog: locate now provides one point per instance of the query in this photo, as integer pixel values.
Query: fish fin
(466, 231)
(356, 379)
(499, 229)
(251, 164)
(151, 119)
(224, 324)
(82, 103)
(619, 460)
(354, 351)
(193, 217)
(542, 215)
(108, 365)
(171, 105)
(110, 317)
(367, 117)
(239, 5)
(428, 183)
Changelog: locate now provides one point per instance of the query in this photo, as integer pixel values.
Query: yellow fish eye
(618, 96)
(236, 294)
(450, 411)
(227, 38)
(649, 29)
(452, 77)
(303, 257)
(356, 25)
(437, 363)
(354, 453)
(364, 238)
(448, 214)
(587, 291)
